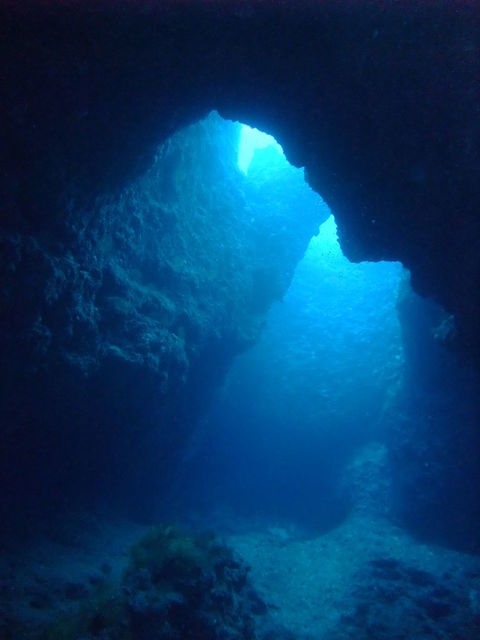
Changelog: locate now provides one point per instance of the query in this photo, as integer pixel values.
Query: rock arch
(379, 101)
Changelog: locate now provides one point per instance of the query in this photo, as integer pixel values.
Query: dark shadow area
(435, 441)
(167, 355)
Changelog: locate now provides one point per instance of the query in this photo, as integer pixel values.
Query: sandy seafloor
(363, 579)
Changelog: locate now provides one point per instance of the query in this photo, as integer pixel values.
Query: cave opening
(250, 140)
(177, 351)
(316, 455)
(205, 354)
(316, 387)
(314, 393)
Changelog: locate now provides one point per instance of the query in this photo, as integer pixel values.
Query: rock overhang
(379, 102)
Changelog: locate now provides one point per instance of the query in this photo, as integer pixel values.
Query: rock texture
(175, 586)
(120, 319)
(433, 435)
(378, 101)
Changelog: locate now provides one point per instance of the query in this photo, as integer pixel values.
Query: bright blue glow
(327, 239)
(250, 140)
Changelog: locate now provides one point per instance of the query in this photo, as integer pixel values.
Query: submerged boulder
(177, 586)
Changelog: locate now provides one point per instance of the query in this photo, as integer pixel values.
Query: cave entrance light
(252, 139)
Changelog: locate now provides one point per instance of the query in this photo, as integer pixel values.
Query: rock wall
(378, 100)
(433, 435)
(120, 321)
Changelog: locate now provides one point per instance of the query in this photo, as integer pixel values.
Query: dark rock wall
(433, 435)
(119, 321)
(378, 100)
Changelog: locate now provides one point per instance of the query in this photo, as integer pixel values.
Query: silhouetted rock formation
(122, 317)
(379, 103)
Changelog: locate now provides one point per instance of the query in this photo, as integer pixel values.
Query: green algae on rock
(175, 586)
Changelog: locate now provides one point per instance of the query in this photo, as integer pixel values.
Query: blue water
(328, 460)
(339, 461)
(296, 407)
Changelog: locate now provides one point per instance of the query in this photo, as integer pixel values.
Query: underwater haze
(226, 429)
(298, 407)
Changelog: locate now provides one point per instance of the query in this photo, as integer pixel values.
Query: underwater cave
(239, 263)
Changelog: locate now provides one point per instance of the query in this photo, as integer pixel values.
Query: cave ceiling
(379, 101)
